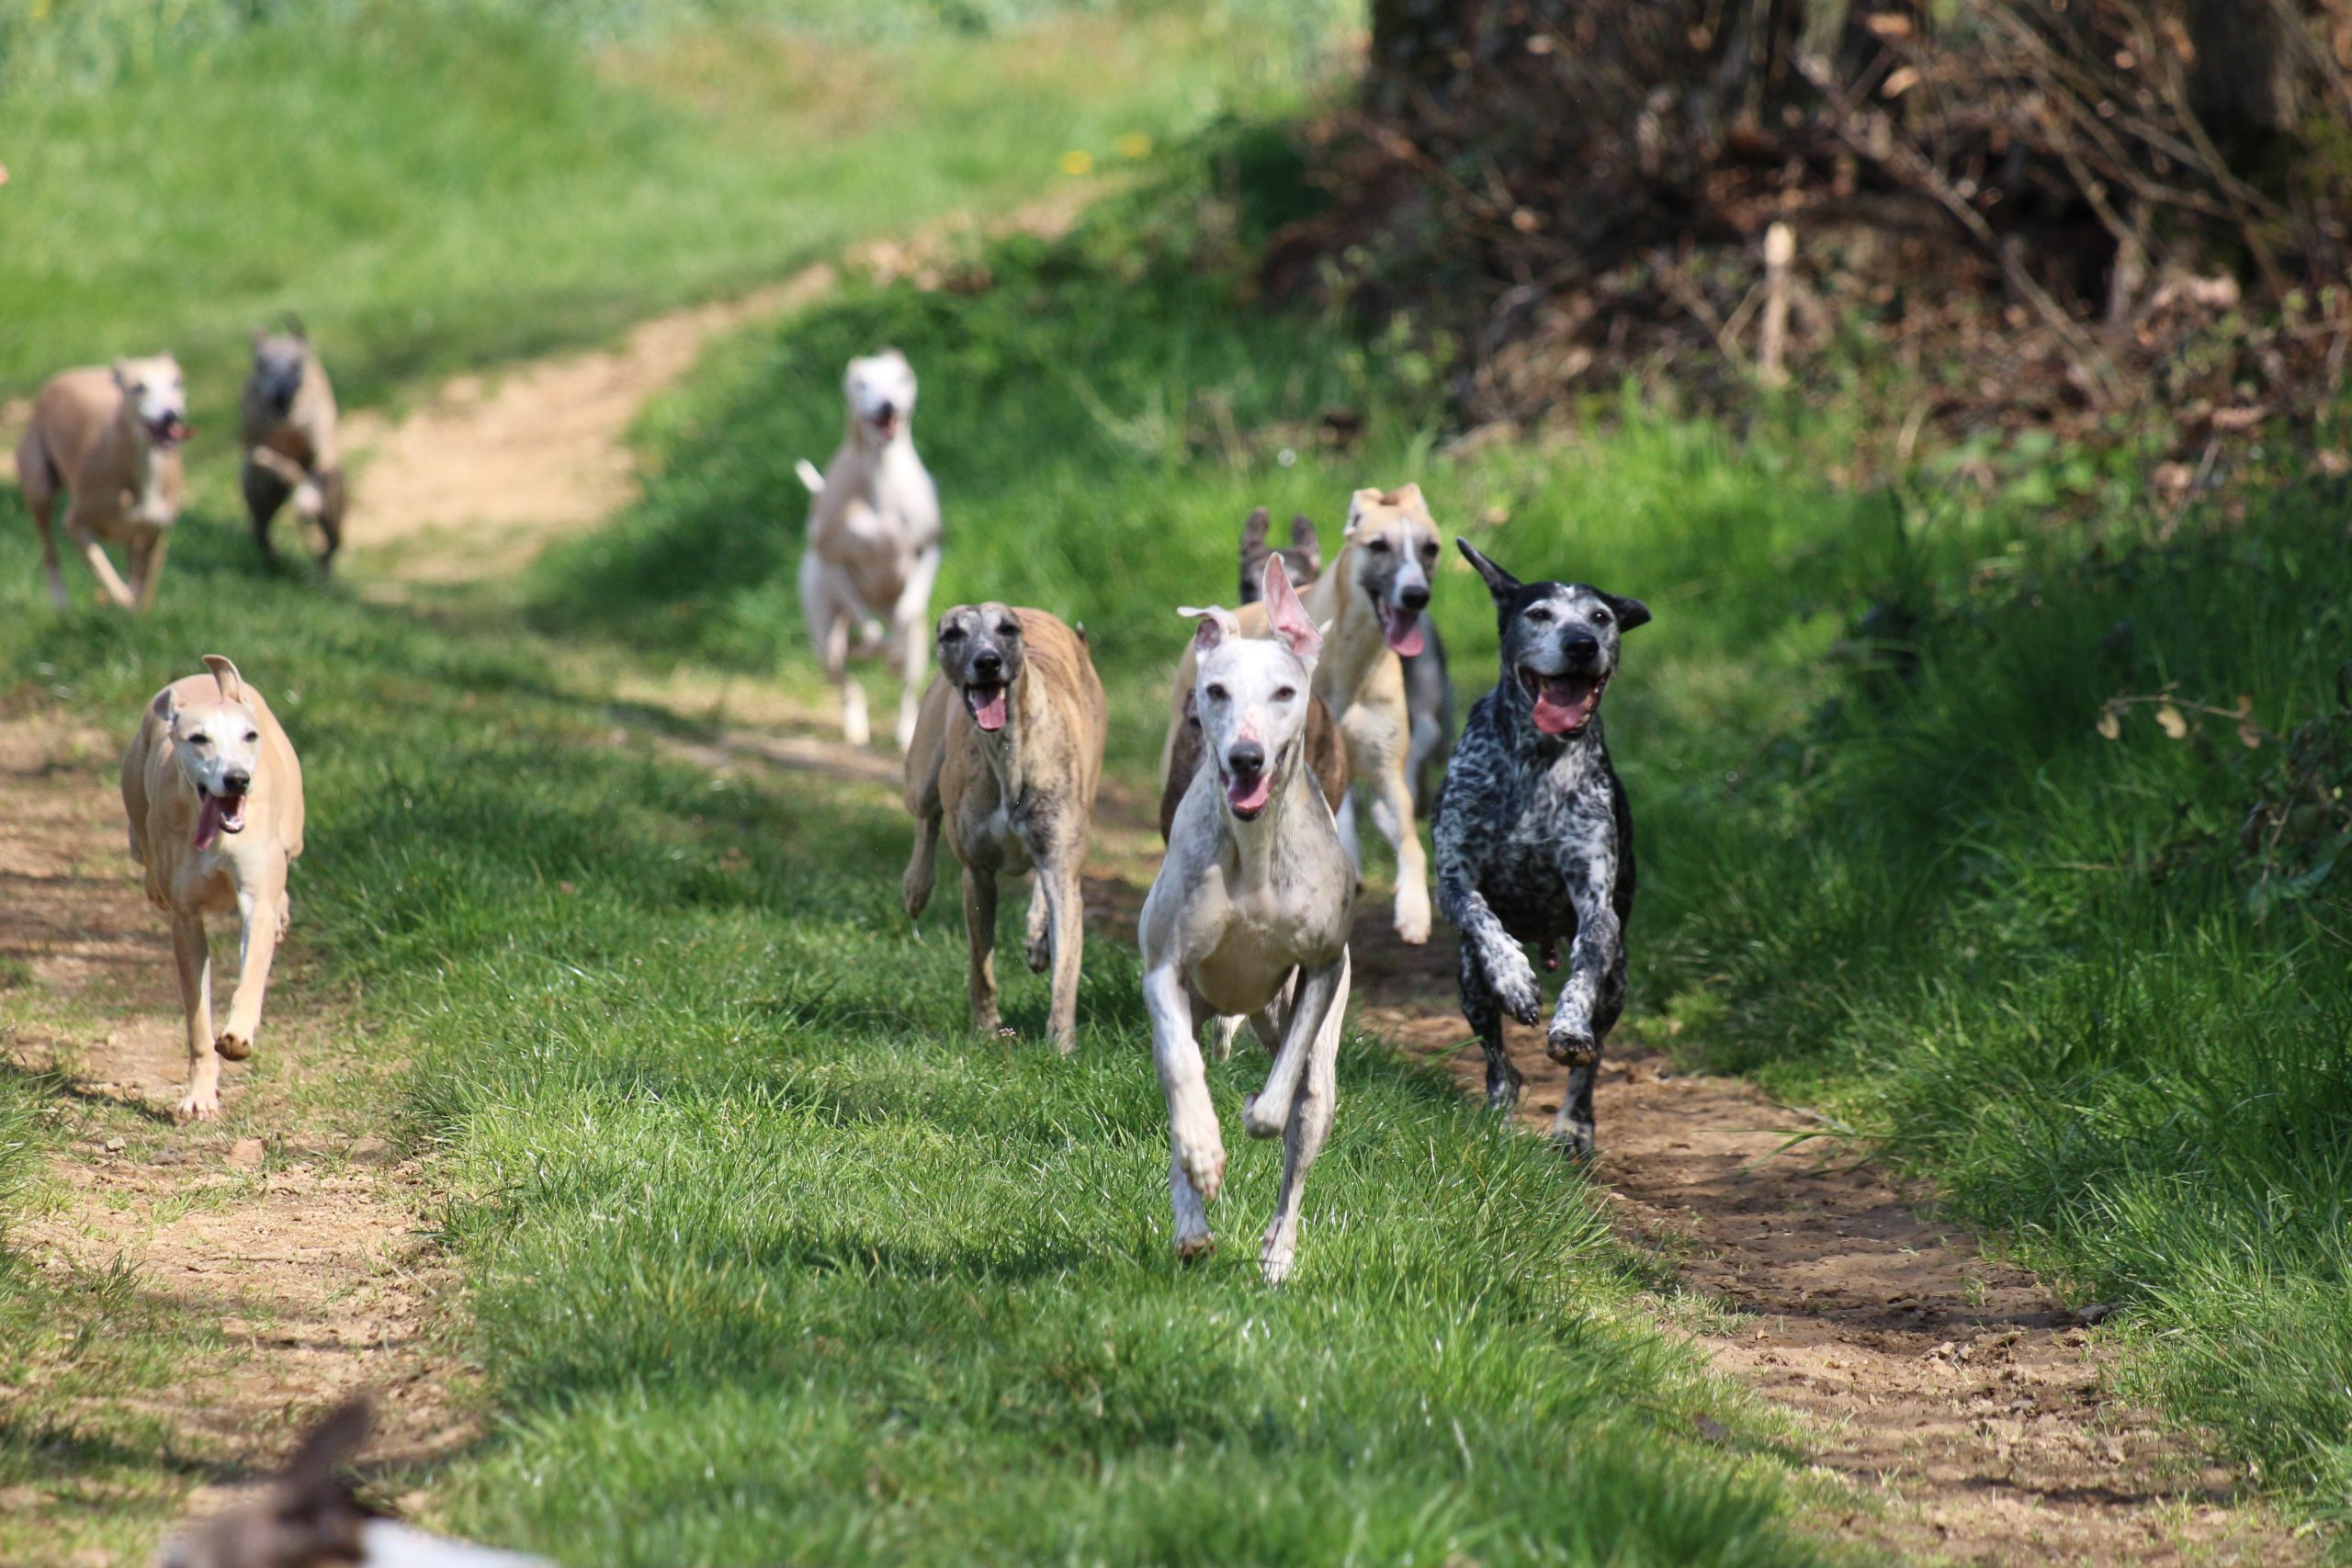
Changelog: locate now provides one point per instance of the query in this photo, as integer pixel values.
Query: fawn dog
(291, 443)
(109, 437)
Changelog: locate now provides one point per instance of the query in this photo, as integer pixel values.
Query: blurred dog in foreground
(291, 445)
(1249, 916)
(873, 547)
(1013, 777)
(213, 792)
(310, 1518)
(109, 437)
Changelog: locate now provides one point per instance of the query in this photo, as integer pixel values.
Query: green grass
(768, 1260)
(439, 186)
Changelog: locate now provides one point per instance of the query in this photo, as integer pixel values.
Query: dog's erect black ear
(1499, 583)
(1305, 541)
(1630, 613)
(1253, 533)
(330, 1443)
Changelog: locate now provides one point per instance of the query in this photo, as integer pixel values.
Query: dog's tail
(810, 476)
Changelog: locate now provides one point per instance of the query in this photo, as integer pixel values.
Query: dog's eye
(1378, 546)
(1284, 693)
(1008, 629)
(951, 634)
(200, 739)
(1542, 616)
(1216, 693)
(1601, 616)
(253, 734)
(1428, 546)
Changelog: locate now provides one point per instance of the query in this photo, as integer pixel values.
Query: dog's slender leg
(110, 583)
(922, 868)
(1196, 1148)
(193, 956)
(1221, 1029)
(979, 932)
(1572, 1130)
(1040, 933)
(1066, 906)
(40, 505)
(331, 505)
(829, 634)
(1392, 813)
(1309, 1125)
(1572, 1039)
(265, 490)
(1485, 1016)
(911, 619)
(1346, 822)
(147, 567)
(256, 946)
(1268, 1110)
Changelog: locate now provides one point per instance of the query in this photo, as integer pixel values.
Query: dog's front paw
(1040, 953)
(198, 1105)
(231, 1046)
(1513, 979)
(1194, 1246)
(1277, 1255)
(1200, 1155)
(1573, 1137)
(1571, 1046)
(1264, 1118)
(1412, 916)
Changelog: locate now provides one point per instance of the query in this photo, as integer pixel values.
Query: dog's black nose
(236, 780)
(888, 411)
(1247, 758)
(1414, 598)
(989, 666)
(1582, 649)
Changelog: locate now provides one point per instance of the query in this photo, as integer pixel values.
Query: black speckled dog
(1534, 837)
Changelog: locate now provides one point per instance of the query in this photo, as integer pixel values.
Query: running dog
(1012, 776)
(1370, 603)
(291, 446)
(873, 549)
(1429, 688)
(1249, 916)
(310, 1518)
(214, 795)
(109, 437)
(1535, 837)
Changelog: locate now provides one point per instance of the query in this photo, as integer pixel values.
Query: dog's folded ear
(1630, 613)
(1305, 541)
(1217, 622)
(224, 675)
(1499, 583)
(1288, 617)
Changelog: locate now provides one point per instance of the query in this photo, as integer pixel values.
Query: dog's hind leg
(922, 868)
(332, 499)
(979, 932)
(147, 555)
(829, 617)
(256, 946)
(1309, 1126)
(193, 956)
(1195, 1146)
(1392, 813)
(1065, 908)
(110, 583)
(1485, 1016)
(1346, 823)
(910, 623)
(1038, 932)
(1267, 1113)
(39, 481)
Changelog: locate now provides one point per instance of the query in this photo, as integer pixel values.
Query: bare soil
(284, 1242)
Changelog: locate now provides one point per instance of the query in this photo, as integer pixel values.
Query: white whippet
(873, 549)
(1249, 915)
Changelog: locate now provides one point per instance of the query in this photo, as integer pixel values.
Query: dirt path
(246, 1272)
(1956, 1395)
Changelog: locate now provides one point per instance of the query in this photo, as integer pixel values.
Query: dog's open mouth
(1563, 703)
(1247, 794)
(216, 815)
(886, 425)
(168, 432)
(1402, 628)
(988, 705)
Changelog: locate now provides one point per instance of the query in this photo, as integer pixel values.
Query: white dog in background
(873, 549)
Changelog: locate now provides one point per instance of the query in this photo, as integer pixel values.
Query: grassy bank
(436, 188)
(1891, 862)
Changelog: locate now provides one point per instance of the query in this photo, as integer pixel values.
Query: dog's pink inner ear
(1287, 616)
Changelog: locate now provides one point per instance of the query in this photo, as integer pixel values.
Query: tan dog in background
(292, 445)
(1369, 605)
(1013, 777)
(214, 795)
(109, 437)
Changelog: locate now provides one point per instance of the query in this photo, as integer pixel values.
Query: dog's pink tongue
(1253, 795)
(1561, 706)
(988, 712)
(208, 822)
(1404, 630)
